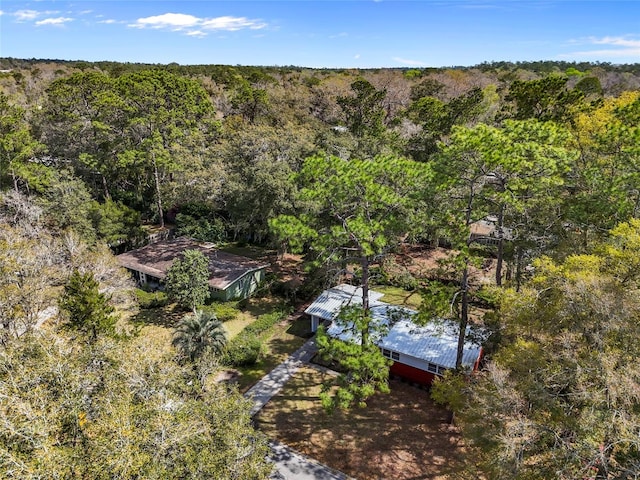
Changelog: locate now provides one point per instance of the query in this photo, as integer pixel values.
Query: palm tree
(198, 332)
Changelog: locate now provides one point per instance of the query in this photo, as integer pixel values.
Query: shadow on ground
(167, 316)
(402, 435)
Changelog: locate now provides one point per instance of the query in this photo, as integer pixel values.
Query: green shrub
(224, 311)
(242, 350)
(265, 322)
(488, 297)
(151, 299)
(245, 348)
(379, 274)
(404, 280)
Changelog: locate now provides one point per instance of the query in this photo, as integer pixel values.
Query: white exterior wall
(315, 323)
(418, 363)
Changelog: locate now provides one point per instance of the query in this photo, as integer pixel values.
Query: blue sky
(322, 33)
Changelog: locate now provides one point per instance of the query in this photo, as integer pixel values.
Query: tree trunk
(464, 314)
(519, 257)
(464, 291)
(500, 258)
(365, 298)
(107, 195)
(15, 180)
(156, 177)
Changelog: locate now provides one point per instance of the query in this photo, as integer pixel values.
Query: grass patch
(157, 336)
(278, 343)
(166, 316)
(261, 306)
(399, 296)
(402, 435)
(235, 326)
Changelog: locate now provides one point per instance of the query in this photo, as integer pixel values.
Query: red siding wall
(411, 373)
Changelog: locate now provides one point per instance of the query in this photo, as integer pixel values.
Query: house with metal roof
(419, 353)
(329, 303)
(230, 276)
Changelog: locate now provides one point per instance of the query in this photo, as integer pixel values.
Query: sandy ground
(402, 435)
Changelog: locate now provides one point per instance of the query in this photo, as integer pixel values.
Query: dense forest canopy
(344, 166)
(235, 134)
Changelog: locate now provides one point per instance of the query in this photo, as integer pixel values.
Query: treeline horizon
(541, 65)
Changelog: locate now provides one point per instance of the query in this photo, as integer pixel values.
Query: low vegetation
(399, 296)
(281, 341)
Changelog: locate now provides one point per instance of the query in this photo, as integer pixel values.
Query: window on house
(441, 370)
(390, 354)
(432, 367)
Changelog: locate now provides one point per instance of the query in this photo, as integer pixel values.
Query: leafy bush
(245, 348)
(379, 274)
(224, 311)
(265, 322)
(402, 279)
(151, 299)
(242, 350)
(488, 297)
(196, 210)
(407, 281)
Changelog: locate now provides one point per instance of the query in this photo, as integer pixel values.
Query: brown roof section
(156, 258)
(482, 228)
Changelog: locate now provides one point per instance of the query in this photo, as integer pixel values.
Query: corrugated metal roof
(331, 301)
(436, 342)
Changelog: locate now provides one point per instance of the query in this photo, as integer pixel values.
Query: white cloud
(168, 20)
(196, 33)
(25, 15)
(606, 53)
(623, 46)
(232, 24)
(412, 63)
(617, 41)
(356, 56)
(109, 21)
(196, 26)
(1, 13)
(54, 21)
